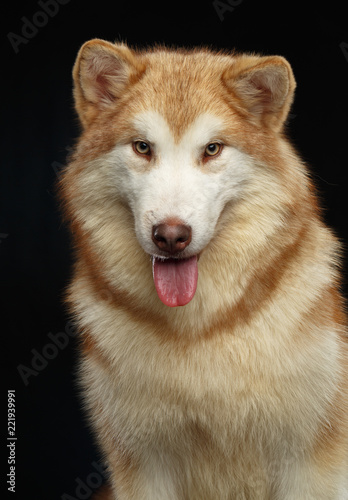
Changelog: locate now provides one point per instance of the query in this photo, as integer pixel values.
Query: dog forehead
(181, 86)
(154, 127)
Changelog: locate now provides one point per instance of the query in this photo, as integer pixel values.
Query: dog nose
(171, 237)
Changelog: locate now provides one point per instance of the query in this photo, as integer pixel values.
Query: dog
(206, 286)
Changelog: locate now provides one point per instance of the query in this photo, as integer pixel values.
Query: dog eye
(142, 148)
(212, 149)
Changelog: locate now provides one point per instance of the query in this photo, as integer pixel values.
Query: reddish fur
(255, 124)
(105, 493)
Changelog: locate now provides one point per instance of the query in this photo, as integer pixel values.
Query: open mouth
(175, 279)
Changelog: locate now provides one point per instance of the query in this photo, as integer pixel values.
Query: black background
(54, 446)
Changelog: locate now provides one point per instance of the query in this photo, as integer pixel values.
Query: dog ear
(263, 87)
(102, 72)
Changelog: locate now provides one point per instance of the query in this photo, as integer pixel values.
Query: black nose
(171, 237)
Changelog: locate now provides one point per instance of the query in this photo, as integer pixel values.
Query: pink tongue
(175, 280)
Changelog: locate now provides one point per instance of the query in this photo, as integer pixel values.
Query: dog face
(182, 183)
(171, 136)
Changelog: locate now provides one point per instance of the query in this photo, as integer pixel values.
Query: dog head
(172, 136)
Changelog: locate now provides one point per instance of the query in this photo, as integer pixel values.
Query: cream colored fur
(242, 393)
